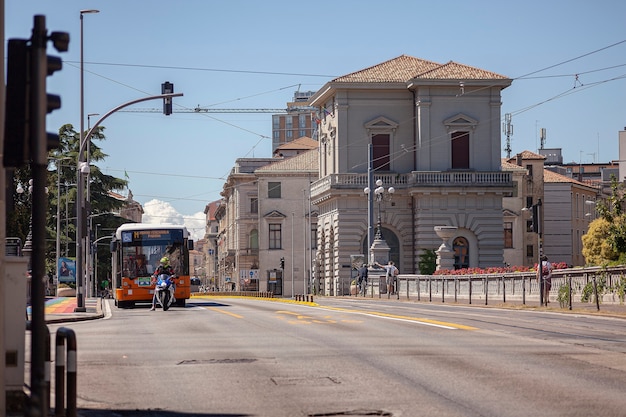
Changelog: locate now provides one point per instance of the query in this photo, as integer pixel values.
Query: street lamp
(380, 194)
(83, 168)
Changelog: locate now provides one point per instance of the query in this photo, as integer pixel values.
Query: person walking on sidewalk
(362, 279)
(391, 272)
(546, 278)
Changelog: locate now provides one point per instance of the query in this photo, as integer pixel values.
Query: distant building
(131, 210)
(299, 121)
(210, 248)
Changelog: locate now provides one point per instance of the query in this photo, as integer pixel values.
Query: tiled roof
(303, 143)
(303, 162)
(527, 155)
(455, 71)
(553, 177)
(397, 70)
(509, 166)
(405, 68)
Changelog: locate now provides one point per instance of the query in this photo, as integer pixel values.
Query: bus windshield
(142, 251)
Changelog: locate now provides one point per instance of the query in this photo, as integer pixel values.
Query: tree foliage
(597, 248)
(61, 185)
(605, 241)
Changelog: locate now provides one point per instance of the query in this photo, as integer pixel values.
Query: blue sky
(251, 54)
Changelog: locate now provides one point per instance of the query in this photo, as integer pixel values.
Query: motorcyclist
(163, 268)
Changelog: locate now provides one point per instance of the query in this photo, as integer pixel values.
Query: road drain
(211, 361)
(354, 413)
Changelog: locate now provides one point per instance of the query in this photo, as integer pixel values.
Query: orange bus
(136, 251)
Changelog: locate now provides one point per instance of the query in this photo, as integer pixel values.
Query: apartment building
(297, 122)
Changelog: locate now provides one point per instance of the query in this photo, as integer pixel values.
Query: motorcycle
(164, 290)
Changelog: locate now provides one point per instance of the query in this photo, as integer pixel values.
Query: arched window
(461, 253)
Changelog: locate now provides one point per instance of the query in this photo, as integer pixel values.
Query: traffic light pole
(81, 214)
(39, 163)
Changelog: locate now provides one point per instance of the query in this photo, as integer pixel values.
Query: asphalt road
(250, 357)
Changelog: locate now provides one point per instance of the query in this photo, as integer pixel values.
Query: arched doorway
(392, 241)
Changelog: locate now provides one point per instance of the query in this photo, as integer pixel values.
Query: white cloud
(161, 212)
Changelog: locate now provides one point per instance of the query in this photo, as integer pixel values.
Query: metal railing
(587, 285)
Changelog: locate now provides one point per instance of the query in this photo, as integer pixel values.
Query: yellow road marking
(427, 322)
(219, 310)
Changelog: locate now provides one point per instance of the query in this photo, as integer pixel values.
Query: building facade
(299, 121)
(569, 207)
(431, 131)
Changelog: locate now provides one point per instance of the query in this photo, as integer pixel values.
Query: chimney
(518, 159)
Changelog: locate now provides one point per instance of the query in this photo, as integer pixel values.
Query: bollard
(64, 333)
(47, 367)
(470, 290)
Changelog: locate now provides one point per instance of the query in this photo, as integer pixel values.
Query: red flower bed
(496, 269)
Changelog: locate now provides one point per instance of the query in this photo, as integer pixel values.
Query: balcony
(416, 179)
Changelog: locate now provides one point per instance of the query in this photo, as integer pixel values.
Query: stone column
(445, 253)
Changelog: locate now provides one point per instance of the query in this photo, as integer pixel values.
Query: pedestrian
(362, 279)
(391, 272)
(546, 278)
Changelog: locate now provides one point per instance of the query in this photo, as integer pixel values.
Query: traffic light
(167, 88)
(282, 263)
(27, 69)
(61, 41)
(17, 104)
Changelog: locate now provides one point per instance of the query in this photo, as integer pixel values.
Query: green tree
(61, 185)
(428, 262)
(597, 248)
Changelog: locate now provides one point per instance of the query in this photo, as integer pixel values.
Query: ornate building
(431, 131)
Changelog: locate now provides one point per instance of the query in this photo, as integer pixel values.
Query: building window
(508, 235)
(275, 236)
(302, 132)
(530, 251)
(302, 120)
(289, 134)
(254, 205)
(254, 239)
(275, 122)
(530, 169)
(313, 235)
(273, 190)
(529, 202)
(380, 151)
(461, 253)
(460, 150)
(529, 226)
(288, 122)
(276, 134)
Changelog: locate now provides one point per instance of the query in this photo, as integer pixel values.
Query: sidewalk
(606, 309)
(61, 310)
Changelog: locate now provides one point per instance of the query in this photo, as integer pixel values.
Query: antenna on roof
(507, 129)
(542, 137)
